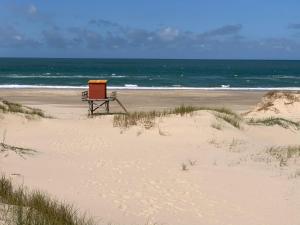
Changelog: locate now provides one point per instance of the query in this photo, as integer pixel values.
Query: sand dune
(278, 104)
(192, 169)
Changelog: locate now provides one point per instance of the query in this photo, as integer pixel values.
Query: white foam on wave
(20, 86)
(62, 76)
(286, 77)
(135, 87)
(270, 77)
(209, 88)
(225, 86)
(45, 76)
(131, 85)
(118, 76)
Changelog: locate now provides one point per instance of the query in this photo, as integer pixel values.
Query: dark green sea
(150, 73)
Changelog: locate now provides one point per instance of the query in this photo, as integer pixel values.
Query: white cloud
(168, 33)
(18, 37)
(32, 9)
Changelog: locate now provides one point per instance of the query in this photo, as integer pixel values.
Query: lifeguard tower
(96, 96)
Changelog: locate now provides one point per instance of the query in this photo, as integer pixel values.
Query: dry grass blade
(221, 110)
(18, 150)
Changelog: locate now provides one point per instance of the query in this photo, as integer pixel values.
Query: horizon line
(146, 58)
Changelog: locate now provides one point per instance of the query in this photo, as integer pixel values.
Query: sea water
(150, 73)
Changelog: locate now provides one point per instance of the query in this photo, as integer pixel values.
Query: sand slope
(278, 104)
(136, 176)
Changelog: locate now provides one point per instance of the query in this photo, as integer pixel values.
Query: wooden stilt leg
(123, 107)
(107, 107)
(89, 111)
(92, 108)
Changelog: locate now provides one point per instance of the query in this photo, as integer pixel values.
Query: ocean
(150, 73)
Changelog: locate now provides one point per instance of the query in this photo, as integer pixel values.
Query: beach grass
(287, 94)
(283, 154)
(182, 110)
(222, 110)
(21, 207)
(233, 120)
(148, 118)
(272, 121)
(12, 107)
(226, 115)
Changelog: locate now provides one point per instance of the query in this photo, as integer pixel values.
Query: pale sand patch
(123, 178)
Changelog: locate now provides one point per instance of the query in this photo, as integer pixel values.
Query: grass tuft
(272, 121)
(283, 154)
(221, 110)
(147, 119)
(225, 114)
(233, 120)
(182, 110)
(184, 167)
(36, 208)
(288, 95)
(135, 118)
(12, 107)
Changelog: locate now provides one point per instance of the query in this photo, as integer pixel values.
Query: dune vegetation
(284, 153)
(272, 121)
(147, 119)
(18, 206)
(12, 107)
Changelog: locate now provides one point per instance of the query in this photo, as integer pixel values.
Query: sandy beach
(67, 103)
(149, 112)
(192, 169)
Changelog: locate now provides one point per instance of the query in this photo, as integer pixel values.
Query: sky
(201, 29)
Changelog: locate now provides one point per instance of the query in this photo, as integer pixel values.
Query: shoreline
(133, 87)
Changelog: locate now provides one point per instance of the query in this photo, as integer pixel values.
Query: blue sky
(205, 29)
